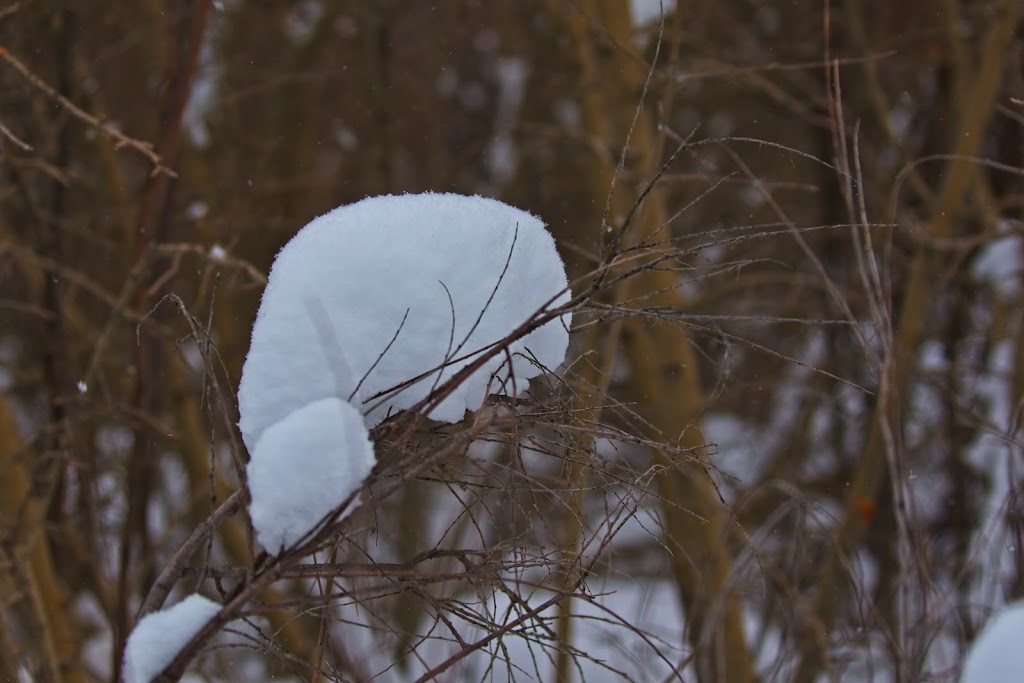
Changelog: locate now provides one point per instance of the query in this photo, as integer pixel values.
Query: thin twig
(173, 570)
(14, 138)
(105, 127)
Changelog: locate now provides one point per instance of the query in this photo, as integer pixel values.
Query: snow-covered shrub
(367, 310)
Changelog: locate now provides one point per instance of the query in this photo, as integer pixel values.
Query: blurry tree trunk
(26, 568)
(152, 227)
(664, 379)
(594, 379)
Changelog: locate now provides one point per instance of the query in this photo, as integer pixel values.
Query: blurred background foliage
(806, 404)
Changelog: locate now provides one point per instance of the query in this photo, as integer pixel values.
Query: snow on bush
(997, 654)
(303, 467)
(158, 637)
(377, 293)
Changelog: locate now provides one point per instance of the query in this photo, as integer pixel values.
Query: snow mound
(425, 274)
(305, 466)
(998, 263)
(158, 637)
(996, 655)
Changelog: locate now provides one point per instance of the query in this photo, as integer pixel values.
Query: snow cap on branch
(372, 295)
(159, 637)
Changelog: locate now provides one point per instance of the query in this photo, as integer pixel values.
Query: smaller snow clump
(996, 654)
(305, 466)
(158, 637)
(998, 263)
(380, 301)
